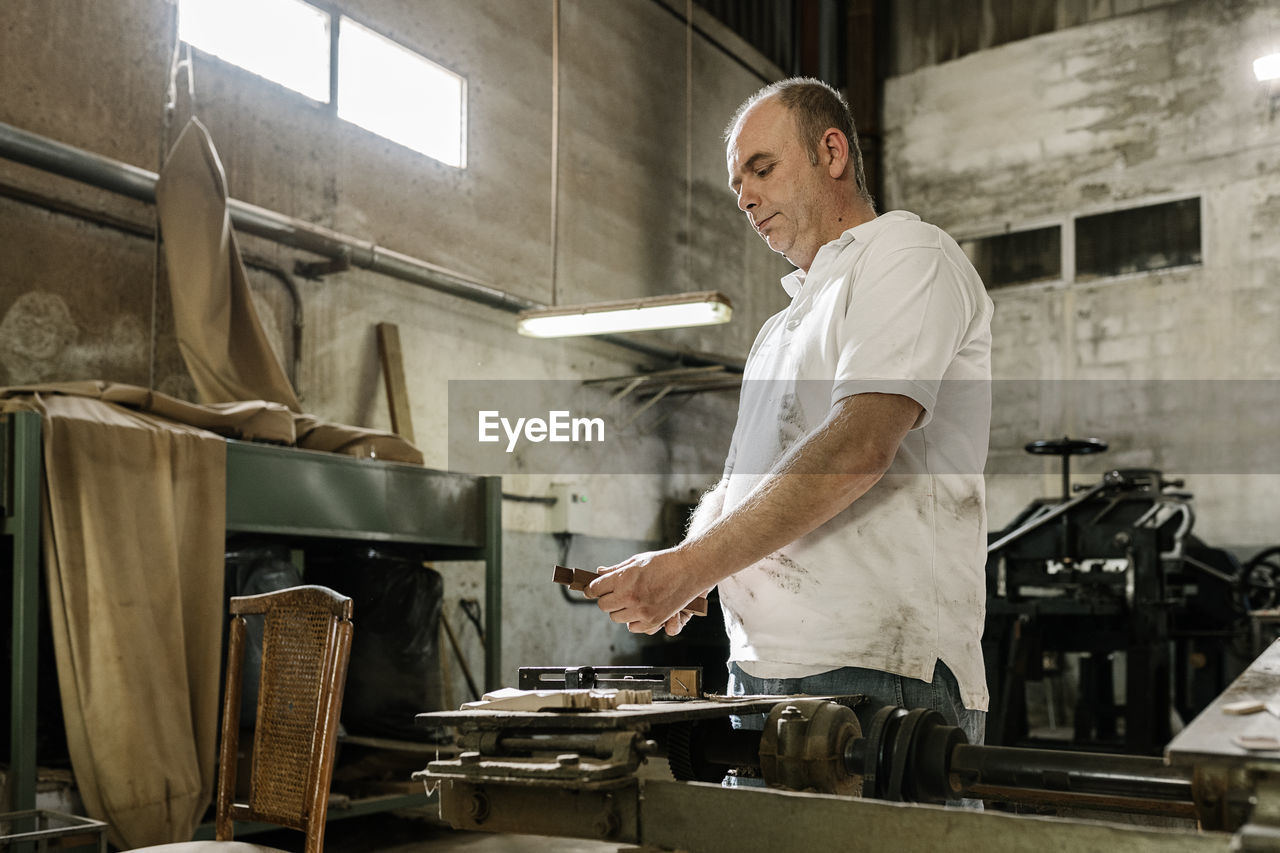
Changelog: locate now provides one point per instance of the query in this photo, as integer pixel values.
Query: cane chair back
(306, 643)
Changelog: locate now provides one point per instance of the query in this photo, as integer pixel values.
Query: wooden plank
(393, 377)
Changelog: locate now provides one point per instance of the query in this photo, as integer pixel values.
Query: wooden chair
(306, 642)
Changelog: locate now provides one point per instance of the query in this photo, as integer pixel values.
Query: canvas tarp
(223, 344)
(133, 518)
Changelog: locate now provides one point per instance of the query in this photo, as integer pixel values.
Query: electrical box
(572, 510)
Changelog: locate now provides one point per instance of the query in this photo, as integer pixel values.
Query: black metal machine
(514, 767)
(1115, 569)
(844, 772)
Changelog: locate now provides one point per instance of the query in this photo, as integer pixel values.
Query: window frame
(1066, 266)
(1147, 202)
(245, 69)
(1023, 228)
(1067, 224)
(335, 15)
(335, 72)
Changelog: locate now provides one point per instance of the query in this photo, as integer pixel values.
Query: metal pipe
(148, 232)
(31, 149)
(1084, 773)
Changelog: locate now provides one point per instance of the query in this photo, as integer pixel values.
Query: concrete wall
(1151, 106)
(78, 300)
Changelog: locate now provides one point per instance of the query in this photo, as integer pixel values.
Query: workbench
(279, 491)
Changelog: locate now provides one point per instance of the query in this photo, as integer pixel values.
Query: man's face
(782, 193)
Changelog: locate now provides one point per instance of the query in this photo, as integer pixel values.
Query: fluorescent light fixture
(1267, 67)
(702, 308)
(285, 41)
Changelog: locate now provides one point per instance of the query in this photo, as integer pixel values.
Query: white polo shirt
(897, 580)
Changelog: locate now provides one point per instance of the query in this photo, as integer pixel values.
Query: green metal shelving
(286, 492)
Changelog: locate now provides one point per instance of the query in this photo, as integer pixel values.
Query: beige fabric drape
(219, 336)
(134, 518)
(252, 420)
(221, 341)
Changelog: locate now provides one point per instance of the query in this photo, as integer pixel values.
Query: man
(848, 534)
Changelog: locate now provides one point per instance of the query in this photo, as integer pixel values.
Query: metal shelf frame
(296, 494)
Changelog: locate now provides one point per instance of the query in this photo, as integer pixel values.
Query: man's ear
(834, 150)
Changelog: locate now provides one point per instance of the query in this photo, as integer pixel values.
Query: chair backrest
(306, 642)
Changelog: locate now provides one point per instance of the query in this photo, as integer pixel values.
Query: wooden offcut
(393, 377)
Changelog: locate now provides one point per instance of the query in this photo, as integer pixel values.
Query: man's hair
(816, 106)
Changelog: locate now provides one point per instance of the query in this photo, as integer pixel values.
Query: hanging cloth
(219, 336)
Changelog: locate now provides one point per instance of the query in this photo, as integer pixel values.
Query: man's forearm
(817, 479)
(707, 512)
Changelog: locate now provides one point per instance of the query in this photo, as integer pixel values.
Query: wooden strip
(393, 377)
(582, 577)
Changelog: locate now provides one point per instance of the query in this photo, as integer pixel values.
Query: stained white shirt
(895, 581)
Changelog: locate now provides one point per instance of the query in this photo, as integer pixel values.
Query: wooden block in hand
(577, 579)
(582, 577)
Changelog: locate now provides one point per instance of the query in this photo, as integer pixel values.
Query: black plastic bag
(394, 672)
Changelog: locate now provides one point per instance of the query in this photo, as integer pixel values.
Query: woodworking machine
(842, 772)
(1115, 571)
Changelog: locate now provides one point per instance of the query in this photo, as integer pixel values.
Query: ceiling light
(703, 308)
(1267, 67)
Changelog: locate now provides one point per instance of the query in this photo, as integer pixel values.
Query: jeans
(941, 695)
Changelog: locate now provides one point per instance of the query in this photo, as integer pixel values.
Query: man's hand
(647, 591)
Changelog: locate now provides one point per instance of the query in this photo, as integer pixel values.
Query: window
(381, 86)
(1155, 237)
(1017, 258)
(285, 41)
(394, 92)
